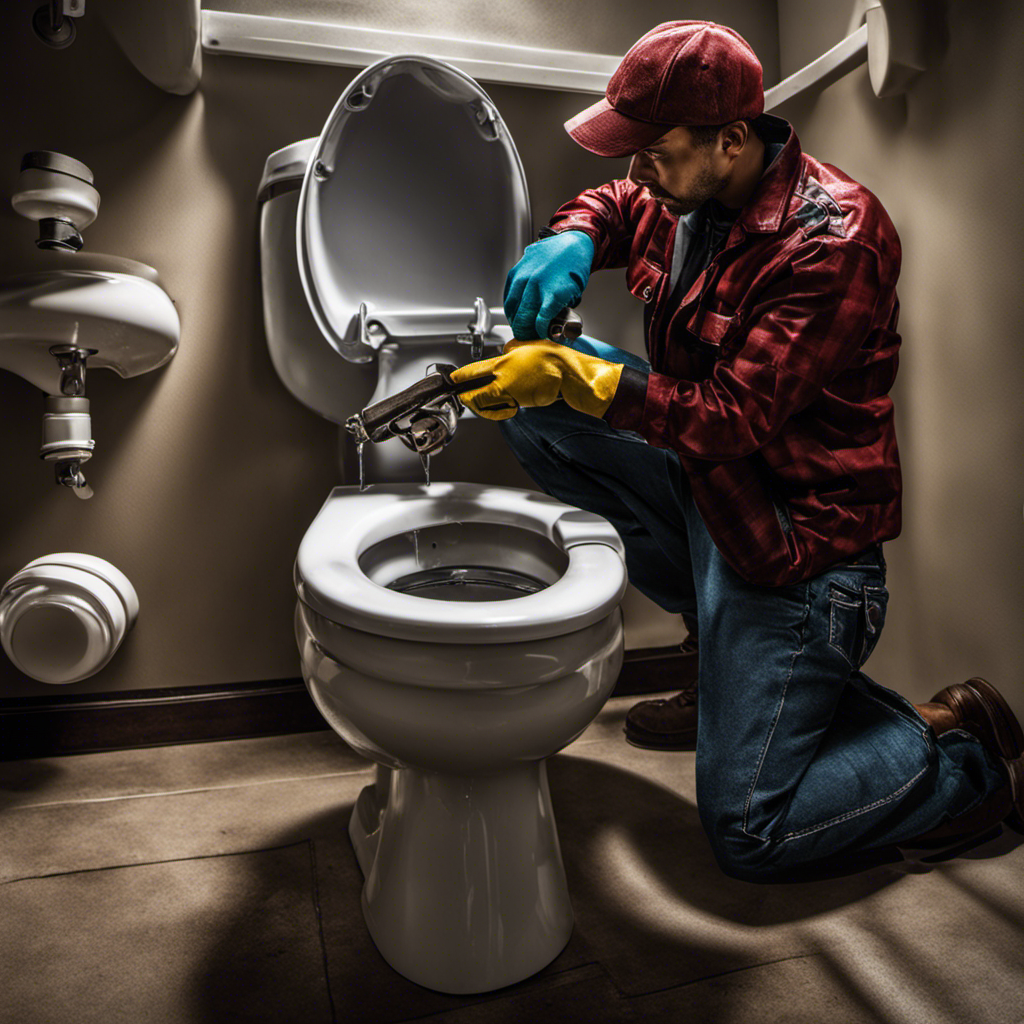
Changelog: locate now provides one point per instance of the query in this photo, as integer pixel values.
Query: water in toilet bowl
(467, 583)
(442, 572)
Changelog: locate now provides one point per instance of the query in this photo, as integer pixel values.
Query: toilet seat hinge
(480, 326)
(372, 333)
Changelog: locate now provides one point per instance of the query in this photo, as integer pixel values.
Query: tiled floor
(215, 882)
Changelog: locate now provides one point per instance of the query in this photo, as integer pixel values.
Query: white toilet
(455, 633)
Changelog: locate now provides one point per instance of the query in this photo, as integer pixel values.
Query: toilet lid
(414, 203)
(330, 578)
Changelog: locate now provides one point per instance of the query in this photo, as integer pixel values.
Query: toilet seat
(413, 204)
(331, 580)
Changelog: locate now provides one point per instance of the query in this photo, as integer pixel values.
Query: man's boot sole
(652, 741)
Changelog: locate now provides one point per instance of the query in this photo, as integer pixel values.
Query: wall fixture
(54, 22)
(898, 39)
(63, 616)
(77, 310)
(252, 35)
(160, 38)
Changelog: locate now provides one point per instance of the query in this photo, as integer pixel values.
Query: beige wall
(945, 160)
(207, 472)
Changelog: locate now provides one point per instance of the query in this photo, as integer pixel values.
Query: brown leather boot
(980, 709)
(977, 707)
(669, 724)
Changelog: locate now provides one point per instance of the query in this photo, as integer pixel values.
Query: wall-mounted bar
(897, 38)
(846, 55)
(254, 35)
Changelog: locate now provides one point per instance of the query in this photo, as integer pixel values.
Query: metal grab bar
(846, 55)
(898, 39)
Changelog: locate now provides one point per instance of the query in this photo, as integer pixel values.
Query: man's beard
(707, 186)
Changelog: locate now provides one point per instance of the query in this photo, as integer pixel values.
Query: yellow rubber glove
(531, 373)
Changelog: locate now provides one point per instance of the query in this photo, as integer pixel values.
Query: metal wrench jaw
(567, 325)
(425, 429)
(433, 426)
(425, 415)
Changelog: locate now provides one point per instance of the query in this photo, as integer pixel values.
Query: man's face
(678, 174)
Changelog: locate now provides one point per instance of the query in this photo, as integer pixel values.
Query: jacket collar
(766, 208)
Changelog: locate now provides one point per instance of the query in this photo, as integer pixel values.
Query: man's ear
(734, 137)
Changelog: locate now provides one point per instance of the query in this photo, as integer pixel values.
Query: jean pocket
(856, 618)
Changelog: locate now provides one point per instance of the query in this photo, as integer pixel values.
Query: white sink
(113, 307)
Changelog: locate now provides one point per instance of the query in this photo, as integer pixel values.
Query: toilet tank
(333, 387)
(308, 366)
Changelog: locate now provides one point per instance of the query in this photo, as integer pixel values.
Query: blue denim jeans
(802, 759)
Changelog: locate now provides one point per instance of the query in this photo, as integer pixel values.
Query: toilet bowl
(458, 635)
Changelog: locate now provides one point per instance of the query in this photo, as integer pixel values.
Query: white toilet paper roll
(64, 616)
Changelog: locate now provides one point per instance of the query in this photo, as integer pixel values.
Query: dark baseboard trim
(88, 723)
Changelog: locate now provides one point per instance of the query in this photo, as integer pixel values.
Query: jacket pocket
(713, 330)
(856, 619)
(643, 279)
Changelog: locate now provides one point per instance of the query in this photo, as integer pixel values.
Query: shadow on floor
(20, 777)
(611, 818)
(651, 907)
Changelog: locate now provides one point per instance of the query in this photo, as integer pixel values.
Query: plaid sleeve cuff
(626, 411)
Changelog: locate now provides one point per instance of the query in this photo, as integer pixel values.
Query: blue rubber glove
(551, 275)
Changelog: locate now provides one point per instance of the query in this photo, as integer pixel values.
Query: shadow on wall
(935, 157)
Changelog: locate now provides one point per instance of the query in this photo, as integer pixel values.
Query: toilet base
(464, 885)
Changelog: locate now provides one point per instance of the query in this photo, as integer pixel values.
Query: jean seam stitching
(616, 436)
(867, 807)
(854, 813)
(778, 715)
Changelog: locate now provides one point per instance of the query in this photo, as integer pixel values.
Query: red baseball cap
(681, 72)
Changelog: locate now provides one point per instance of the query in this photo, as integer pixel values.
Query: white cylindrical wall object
(63, 616)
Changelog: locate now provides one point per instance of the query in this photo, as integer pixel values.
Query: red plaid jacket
(771, 377)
